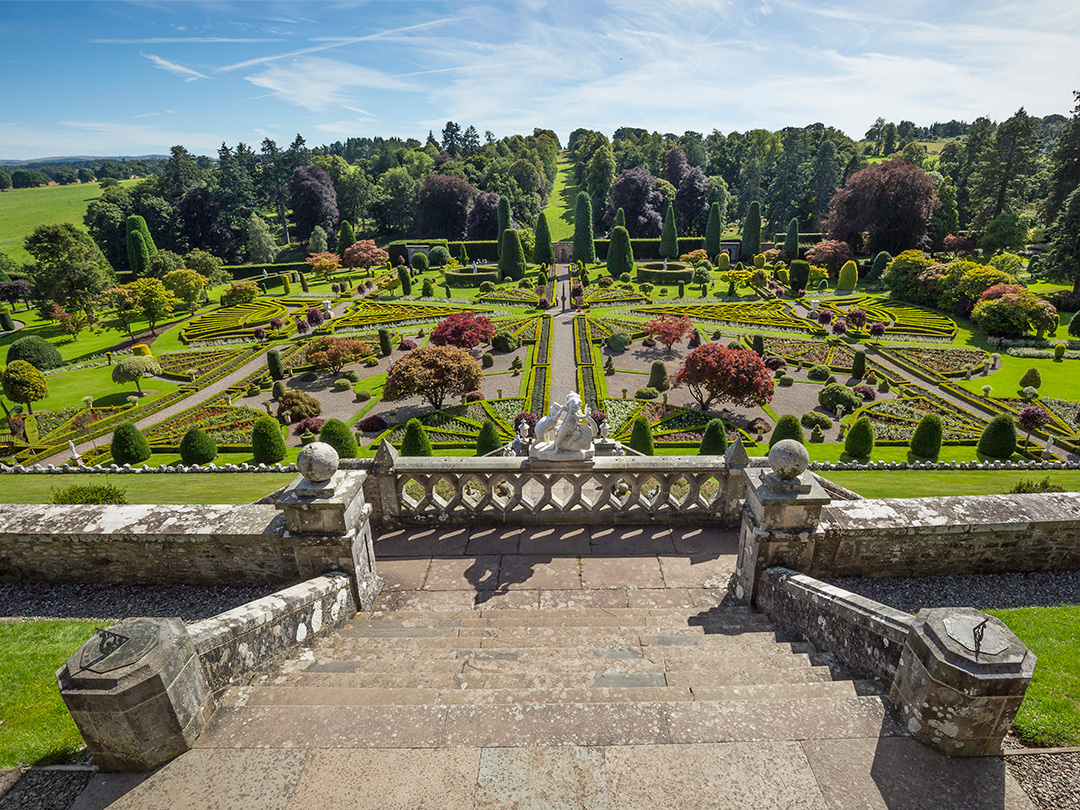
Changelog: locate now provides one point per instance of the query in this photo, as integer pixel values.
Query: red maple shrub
(464, 330)
(715, 373)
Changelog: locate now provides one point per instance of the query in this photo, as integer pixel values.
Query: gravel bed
(34, 600)
(1051, 781)
(41, 789)
(984, 591)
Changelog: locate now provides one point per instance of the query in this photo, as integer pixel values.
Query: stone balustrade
(606, 489)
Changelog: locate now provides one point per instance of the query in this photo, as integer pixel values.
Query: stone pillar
(780, 518)
(961, 679)
(137, 693)
(324, 500)
(737, 462)
(381, 488)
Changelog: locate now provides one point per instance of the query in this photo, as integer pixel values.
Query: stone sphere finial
(789, 459)
(317, 462)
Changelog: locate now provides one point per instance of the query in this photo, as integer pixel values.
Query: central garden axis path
(558, 668)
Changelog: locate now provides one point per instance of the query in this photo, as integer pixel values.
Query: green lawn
(227, 488)
(1058, 377)
(67, 388)
(928, 483)
(23, 209)
(36, 728)
(89, 342)
(1050, 713)
(561, 202)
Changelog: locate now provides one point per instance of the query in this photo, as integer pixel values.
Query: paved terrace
(558, 668)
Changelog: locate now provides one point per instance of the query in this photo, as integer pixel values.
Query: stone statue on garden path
(573, 429)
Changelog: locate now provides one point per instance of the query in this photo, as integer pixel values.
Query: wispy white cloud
(336, 43)
(186, 40)
(318, 84)
(186, 73)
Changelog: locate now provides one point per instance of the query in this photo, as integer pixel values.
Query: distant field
(23, 209)
(561, 202)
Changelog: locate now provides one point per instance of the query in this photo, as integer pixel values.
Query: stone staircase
(590, 676)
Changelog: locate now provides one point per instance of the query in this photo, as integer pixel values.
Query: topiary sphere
(504, 342)
(860, 439)
(197, 447)
(336, 433)
(36, 351)
(438, 256)
(129, 446)
(419, 262)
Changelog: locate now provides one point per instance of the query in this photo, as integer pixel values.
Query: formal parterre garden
(213, 371)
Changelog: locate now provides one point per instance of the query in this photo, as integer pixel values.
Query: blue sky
(107, 78)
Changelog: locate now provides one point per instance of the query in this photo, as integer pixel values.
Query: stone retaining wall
(985, 534)
(149, 544)
(252, 637)
(865, 634)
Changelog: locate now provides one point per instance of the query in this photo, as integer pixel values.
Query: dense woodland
(994, 186)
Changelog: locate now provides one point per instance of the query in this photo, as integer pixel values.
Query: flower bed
(371, 314)
(190, 364)
(895, 419)
(242, 320)
(603, 326)
(612, 296)
(226, 425)
(947, 362)
(777, 315)
(901, 320)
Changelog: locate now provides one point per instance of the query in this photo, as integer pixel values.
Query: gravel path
(563, 358)
(39, 600)
(984, 591)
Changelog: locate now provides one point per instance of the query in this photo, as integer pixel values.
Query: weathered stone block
(139, 697)
(961, 679)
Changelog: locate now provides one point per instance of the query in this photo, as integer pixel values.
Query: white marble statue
(566, 433)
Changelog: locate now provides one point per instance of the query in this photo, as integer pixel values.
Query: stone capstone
(789, 459)
(317, 462)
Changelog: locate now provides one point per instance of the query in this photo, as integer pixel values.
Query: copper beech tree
(365, 253)
(670, 329)
(335, 353)
(715, 373)
(464, 330)
(433, 373)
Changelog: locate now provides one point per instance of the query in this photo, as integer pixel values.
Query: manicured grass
(1059, 378)
(67, 388)
(561, 202)
(227, 488)
(929, 483)
(23, 209)
(36, 727)
(1050, 713)
(89, 342)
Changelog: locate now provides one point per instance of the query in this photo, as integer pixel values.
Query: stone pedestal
(324, 500)
(780, 518)
(961, 679)
(137, 693)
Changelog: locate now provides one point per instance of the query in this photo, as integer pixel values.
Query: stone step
(569, 616)
(407, 638)
(548, 724)
(570, 675)
(364, 656)
(337, 696)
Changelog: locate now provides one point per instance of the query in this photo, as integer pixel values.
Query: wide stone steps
(541, 724)
(506, 677)
(374, 696)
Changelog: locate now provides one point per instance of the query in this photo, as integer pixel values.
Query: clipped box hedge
(242, 271)
(479, 251)
(649, 249)
(460, 279)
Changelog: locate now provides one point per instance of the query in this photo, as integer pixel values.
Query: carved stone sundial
(119, 646)
(979, 637)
